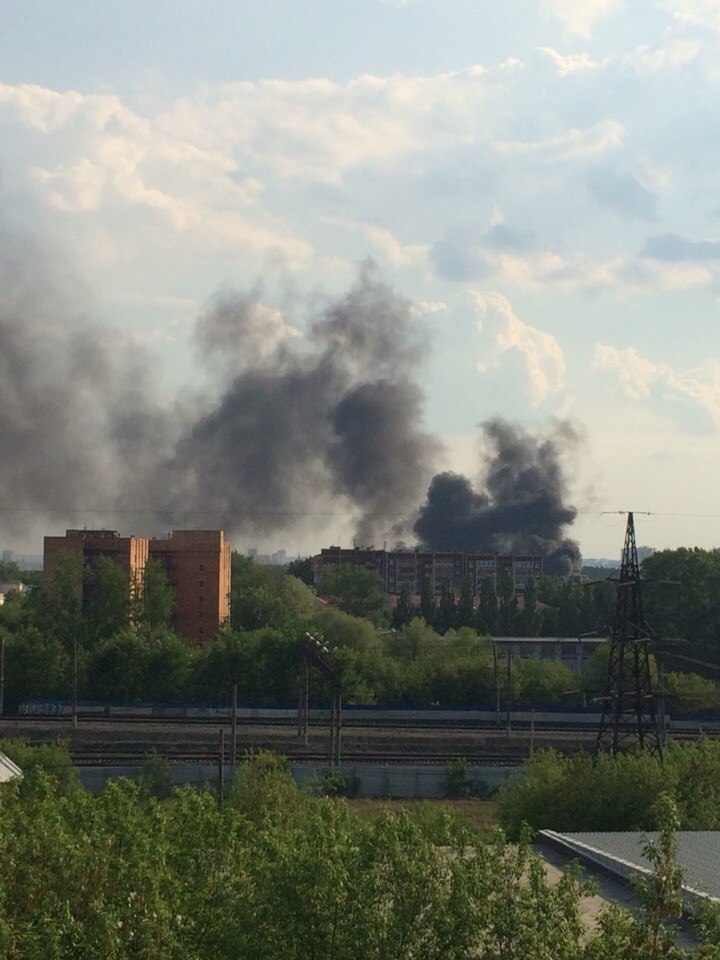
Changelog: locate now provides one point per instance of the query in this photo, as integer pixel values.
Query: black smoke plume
(519, 509)
(306, 423)
(303, 426)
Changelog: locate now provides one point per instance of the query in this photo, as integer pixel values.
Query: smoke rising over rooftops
(329, 420)
(519, 509)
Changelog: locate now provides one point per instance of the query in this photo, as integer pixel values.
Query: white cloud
(570, 63)
(578, 16)
(692, 396)
(506, 338)
(667, 56)
(397, 253)
(703, 13)
(569, 145)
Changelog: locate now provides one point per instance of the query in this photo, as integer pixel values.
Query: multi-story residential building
(414, 567)
(197, 563)
(89, 546)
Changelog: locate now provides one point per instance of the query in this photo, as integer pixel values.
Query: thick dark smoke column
(306, 422)
(521, 508)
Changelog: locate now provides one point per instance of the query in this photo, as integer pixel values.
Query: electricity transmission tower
(628, 718)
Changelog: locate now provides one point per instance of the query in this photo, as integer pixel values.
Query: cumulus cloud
(578, 16)
(702, 13)
(570, 63)
(693, 397)
(507, 340)
(568, 145)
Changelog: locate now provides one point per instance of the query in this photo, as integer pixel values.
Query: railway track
(350, 722)
(103, 758)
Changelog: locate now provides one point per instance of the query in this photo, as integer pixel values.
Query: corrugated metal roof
(698, 853)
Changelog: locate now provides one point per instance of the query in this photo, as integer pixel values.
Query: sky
(541, 179)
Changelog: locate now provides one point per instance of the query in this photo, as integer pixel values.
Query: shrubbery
(277, 873)
(580, 792)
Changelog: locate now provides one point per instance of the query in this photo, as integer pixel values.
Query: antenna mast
(628, 718)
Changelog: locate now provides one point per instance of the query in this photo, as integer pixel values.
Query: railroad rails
(544, 721)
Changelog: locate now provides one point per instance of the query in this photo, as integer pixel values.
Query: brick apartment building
(395, 567)
(197, 563)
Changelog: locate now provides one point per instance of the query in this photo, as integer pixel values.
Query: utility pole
(2, 672)
(532, 730)
(629, 719)
(75, 679)
(234, 725)
(221, 764)
(508, 700)
(496, 672)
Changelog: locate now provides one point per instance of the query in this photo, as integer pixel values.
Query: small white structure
(13, 586)
(8, 769)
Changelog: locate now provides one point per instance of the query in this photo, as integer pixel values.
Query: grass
(478, 815)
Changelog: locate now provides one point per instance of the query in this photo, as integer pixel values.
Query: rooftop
(620, 852)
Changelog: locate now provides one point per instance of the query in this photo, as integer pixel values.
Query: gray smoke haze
(69, 422)
(520, 507)
(303, 426)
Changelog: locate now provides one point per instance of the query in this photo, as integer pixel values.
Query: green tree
(427, 600)
(37, 665)
(403, 612)
(416, 639)
(356, 591)
(303, 569)
(690, 693)
(343, 630)
(530, 617)
(487, 614)
(446, 614)
(261, 597)
(466, 610)
(157, 596)
(508, 613)
(108, 598)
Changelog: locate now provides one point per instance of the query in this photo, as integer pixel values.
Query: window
(201, 631)
(201, 583)
(202, 568)
(201, 599)
(201, 613)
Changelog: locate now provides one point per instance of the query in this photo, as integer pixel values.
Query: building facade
(414, 567)
(574, 652)
(197, 563)
(89, 546)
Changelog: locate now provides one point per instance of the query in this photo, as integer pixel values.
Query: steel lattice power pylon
(629, 720)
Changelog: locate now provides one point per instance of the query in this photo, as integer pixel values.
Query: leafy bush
(117, 876)
(335, 784)
(155, 778)
(47, 762)
(580, 792)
